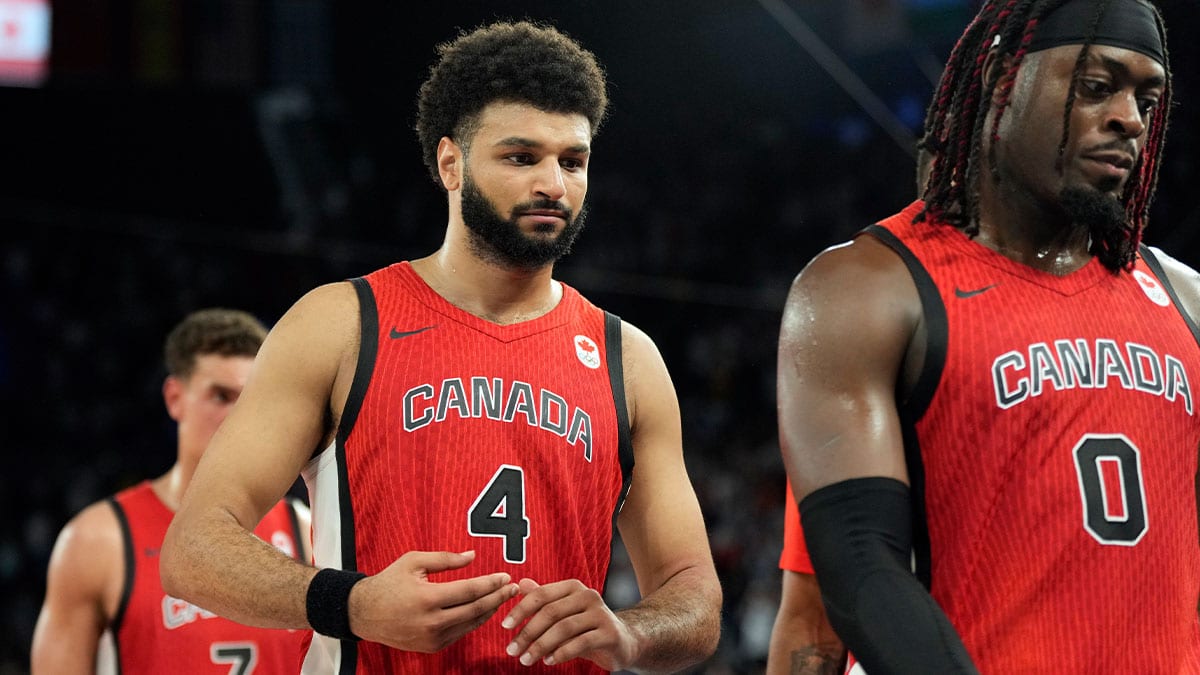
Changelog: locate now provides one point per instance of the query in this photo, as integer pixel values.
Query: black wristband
(328, 602)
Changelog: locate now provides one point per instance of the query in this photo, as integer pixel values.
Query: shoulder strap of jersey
(616, 378)
(1155, 266)
(130, 563)
(915, 402)
(368, 346)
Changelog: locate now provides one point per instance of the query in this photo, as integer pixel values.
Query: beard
(1106, 221)
(500, 240)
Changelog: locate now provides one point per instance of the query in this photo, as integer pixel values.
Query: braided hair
(955, 121)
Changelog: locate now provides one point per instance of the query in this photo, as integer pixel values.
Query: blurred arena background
(157, 156)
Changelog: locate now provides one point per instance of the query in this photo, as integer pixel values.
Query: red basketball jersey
(1052, 441)
(461, 434)
(156, 633)
(794, 557)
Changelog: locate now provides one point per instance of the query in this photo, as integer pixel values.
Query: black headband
(1128, 24)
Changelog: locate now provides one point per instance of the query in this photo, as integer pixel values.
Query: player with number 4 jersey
(471, 430)
(502, 439)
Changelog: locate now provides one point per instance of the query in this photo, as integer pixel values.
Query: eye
(1147, 105)
(572, 164)
(1096, 87)
(520, 158)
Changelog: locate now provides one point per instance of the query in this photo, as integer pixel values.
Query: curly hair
(954, 124)
(226, 332)
(518, 62)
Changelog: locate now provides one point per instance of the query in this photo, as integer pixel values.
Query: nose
(1125, 117)
(548, 180)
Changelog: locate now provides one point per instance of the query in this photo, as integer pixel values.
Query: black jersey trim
(127, 584)
(294, 519)
(913, 405)
(616, 379)
(1155, 266)
(368, 346)
(916, 402)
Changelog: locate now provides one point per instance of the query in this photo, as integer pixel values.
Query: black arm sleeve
(859, 536)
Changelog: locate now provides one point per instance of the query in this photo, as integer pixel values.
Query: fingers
(426, 562)
(466, 591)
(585, 643)
(464, 618)
(534, 599)
(410, 611)
(555, 614)
(566, 635)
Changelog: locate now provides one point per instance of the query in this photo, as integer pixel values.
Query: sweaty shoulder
(1185, 280)
(854, 278)
(845, 340)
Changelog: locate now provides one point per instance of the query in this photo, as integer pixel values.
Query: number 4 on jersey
(499, 511)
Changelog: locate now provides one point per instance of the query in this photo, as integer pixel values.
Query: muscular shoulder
(1185, 280)
(330, 309)
(87, 561)
(318, 335)
(93, 529)
(853, 287)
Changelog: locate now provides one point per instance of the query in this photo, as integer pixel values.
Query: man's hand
(400, 607)
(566, 620)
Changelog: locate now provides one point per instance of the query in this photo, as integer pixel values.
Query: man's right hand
(400, 607)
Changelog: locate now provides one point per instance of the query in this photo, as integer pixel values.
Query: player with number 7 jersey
(462, 434)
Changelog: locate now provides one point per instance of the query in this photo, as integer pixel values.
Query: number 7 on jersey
(499, 511)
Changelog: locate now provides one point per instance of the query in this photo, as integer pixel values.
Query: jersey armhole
(616, 377)
(130, 565)
(1156, 267)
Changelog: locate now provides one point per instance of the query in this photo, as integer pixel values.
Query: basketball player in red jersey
(998, 378)
(105, 609)
(802, 641)
(470, 428)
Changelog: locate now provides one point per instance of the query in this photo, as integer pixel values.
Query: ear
(450, 163)
(173, 391)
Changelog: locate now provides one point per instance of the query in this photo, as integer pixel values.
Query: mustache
(1129, 147)
(543, 205)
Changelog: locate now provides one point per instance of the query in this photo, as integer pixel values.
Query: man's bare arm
(83, 587)
(677, 623)
(802, 641)
(211, 558)
(678, 618)
(848, 326)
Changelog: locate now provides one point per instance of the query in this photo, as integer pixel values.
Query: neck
(491, 291)
(171, 485)
(1029, 229)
